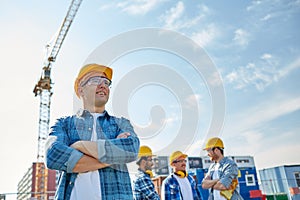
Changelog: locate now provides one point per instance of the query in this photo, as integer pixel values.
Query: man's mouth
(100, 93)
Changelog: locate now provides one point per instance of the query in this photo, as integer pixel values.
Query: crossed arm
(83, 156)
(229, 175)
(89, 161)
(214, 184)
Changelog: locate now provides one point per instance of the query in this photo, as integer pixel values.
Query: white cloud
(139, 7)
(195, 149)
(106, 6)
(192, 101)
(172, 15)
(260, 74)
(278, 155)
(288, 69)
(175, 18)
(215, 79)
(266, 56)
(267, 17)
(251, 74)
(263, 113)
(250, 137)
(206, 36)
(232, 76)
(241, 37)
(254, 4)
(204, 9)
(270, 9)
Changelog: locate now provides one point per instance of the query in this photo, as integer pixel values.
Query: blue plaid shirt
(144, 187)
(171, 188)
(228, 170)
(115, 180)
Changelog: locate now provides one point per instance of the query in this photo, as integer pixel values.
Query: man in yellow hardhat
(222, 175)
(143, 187)
(179, 185)
(91, 149)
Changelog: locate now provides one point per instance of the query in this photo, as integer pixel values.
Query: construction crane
(44, 90)
(43, 87)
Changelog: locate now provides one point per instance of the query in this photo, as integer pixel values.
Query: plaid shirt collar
(85, 113)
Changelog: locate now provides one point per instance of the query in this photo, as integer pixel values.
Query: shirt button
(90, 128)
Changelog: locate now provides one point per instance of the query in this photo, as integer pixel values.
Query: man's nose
(101, 85)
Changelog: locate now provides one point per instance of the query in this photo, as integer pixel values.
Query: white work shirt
(217, 194)
(87, 185)
(185, 188)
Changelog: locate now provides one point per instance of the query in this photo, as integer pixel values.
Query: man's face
(94, 89)
(149, 163)
(179, 164)
(212, 154)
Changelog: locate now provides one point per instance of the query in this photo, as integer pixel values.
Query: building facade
(281, 180)
(38, 183)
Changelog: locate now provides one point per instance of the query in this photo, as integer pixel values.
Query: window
(250, 180)
(195, 162)
(242, 160)
(207, 161)
(161, 165)
(297, 177)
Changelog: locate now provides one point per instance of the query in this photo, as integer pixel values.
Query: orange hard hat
(214, 142)
(145, 151)
(175, 155)
(92, 68)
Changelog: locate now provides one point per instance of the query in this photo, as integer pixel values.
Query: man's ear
(80, 91)
(143, 161)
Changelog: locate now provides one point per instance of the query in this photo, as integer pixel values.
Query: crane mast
(44, 90)
(43, 87)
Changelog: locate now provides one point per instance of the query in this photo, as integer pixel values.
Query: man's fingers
(123, 135)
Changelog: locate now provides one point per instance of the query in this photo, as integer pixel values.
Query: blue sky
(253, 45)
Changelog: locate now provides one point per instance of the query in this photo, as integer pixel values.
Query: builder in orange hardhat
(91, 149)
(143, 185)
(222, 174)
(179, 185)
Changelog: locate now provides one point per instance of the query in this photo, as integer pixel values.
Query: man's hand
(77, 145)
(123, 135)
(207, 177)
(90, 147)
(87, 147)
(208, 183)
(228, 193)
(87, 163)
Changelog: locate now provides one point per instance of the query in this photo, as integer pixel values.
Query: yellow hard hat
(92, 68)
(145, 151)
(214, 142)
(175, 155)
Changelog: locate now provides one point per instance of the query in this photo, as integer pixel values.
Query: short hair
(221, 149)
(138, 162)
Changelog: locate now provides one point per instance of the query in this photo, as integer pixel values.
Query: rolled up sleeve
(59, 156)
(230, 172)
(119, 151)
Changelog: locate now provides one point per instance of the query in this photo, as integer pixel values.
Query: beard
(147, 167)
(213, 157)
